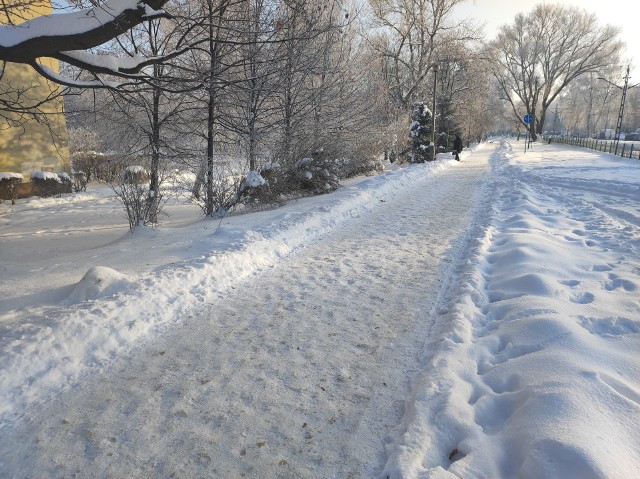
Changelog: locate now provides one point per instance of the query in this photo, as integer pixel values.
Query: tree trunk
(155, 153)
(210, 139)
(213, 63)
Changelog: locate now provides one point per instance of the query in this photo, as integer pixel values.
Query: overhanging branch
(50, 36)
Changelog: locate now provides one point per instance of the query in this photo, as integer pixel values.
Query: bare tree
(465, 97)
(543, 51)
(300, 24)
(212, 57)
(411, 36)
(146, 118)
(156, 104)
(23, 101)
(253, 91)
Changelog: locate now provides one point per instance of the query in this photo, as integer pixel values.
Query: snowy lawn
(473, 319)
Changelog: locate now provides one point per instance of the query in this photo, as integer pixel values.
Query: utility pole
(624, 89)
(621, 112)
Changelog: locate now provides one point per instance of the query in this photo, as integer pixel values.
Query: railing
(625, 149)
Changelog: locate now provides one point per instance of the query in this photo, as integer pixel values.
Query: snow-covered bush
(89, 162)
(265, 187)
(254, 180)
(323, 172)
(280, 182)
(46, 184)
(9, 183)
(142, 205)
(255, 188)
(316, 174)
(349, 167)
(108, 168)
(224, 193)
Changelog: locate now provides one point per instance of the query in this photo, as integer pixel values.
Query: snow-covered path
(313, 382)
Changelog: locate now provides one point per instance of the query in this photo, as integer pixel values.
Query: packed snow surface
(472, 319)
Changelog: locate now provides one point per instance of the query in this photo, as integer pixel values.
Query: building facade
(28, 145)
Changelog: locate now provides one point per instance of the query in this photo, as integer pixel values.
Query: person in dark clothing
(457, 146)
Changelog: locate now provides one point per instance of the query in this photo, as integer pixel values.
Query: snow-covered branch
(67, 36)
(51, 75)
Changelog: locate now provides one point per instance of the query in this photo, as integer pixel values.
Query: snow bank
(99, 282)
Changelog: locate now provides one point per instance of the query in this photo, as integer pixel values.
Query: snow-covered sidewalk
(74, 341)
(299, 371)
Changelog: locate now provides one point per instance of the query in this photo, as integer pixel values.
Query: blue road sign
(528, 118)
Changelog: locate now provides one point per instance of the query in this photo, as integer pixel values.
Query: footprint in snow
(582, 298)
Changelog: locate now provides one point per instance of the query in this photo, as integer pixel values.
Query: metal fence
(625, 149)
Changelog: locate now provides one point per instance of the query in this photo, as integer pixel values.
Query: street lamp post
(624, 89)
(433, 113)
